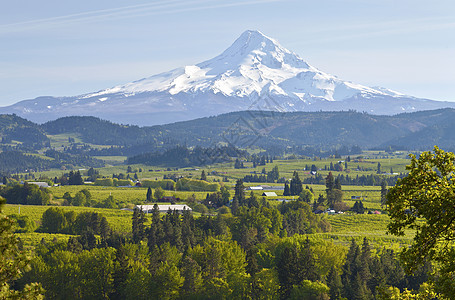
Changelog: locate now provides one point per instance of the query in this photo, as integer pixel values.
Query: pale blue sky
(67, 48)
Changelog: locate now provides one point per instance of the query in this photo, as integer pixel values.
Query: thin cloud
(156, 8)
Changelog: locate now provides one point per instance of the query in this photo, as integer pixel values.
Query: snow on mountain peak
(253, 65)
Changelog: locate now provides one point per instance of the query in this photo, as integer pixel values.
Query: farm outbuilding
(164, 207)
(269, 194)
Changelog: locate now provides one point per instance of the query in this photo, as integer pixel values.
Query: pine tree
(330, 187)
(120, 273)
(239, 192)
(308, 263)
(135, 224)
(289, 271)
(192, 274)
(235, 206)
(203, 176)
(296, 184)
(334, 283)
(149, 195)
(287, 191)
(383, 192)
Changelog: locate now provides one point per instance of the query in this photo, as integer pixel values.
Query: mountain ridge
(255, 72)
(263, 129)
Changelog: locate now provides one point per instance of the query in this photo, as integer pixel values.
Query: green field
(344, 226)
(119, 220)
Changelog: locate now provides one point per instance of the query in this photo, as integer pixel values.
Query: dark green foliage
(298, 218)
(334, 283)
(239, 194)
(75, 178)
(296, 184)
(149, 195)
(15, 161)
(180, 156)
(96, 131)
(28, 194)
(371, 179)
(383, 192)
(287, 190)
(18, 129)
(65, 158)
(217, 199)
(333, 190)
(296, 266)
(358, 207)
(138, 225)
(56, 220)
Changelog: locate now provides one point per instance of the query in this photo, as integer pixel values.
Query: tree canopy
(424, 201)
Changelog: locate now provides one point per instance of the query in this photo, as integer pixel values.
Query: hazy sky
(67, 48)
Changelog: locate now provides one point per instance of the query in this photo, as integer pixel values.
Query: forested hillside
(267, 129)
(21, 133)
(76, 141)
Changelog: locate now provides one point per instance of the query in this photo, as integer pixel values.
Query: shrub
(165, 184)
(104, 182)
(186, 184)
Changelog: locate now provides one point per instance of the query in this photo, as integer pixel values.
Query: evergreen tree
(308, 263)
(296, 184)
(334, 283)
(149, 195)
(330, 186)
(235, 206)
(240, 192)
(289, 271)
(192, 274)
(337, 184)
(383, 192)
(203, 176)
(287, 191)
(121, 272)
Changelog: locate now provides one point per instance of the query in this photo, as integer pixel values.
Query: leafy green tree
(109, 202)
(309, 290)
(306, 196)
(159, 193)
(12, 262)
(424, 202)
(53, 220)
(79, 199)
(96, 273)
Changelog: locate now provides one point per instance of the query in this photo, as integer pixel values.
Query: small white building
(269, 194)
(255, 188)
(39, 183)
(164, 207)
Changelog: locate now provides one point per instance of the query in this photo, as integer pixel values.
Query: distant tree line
(181, 156)
(27, 194)
(371, 179)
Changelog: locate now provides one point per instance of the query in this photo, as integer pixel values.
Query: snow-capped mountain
(255, 72)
